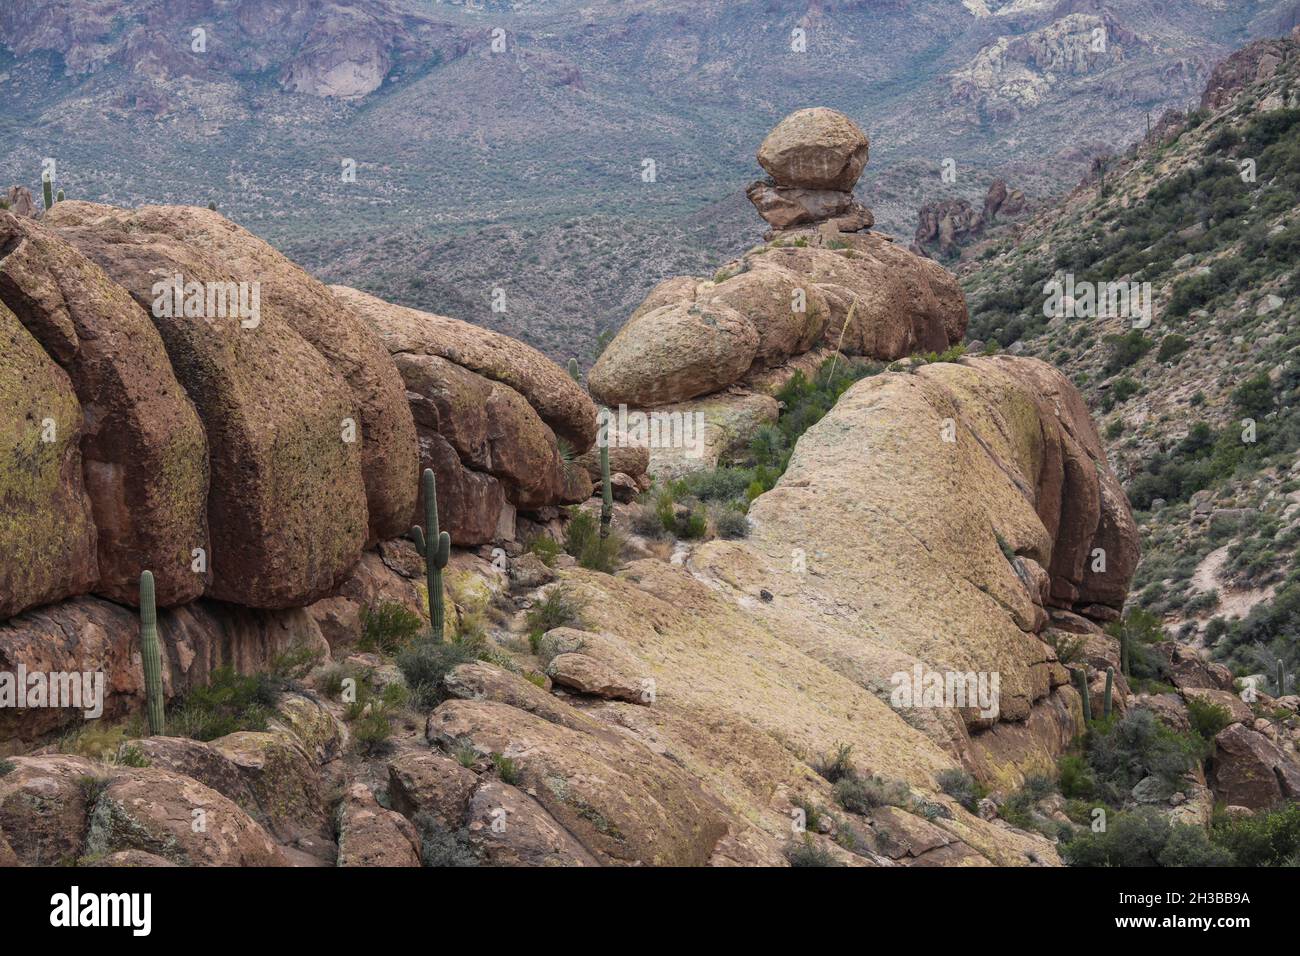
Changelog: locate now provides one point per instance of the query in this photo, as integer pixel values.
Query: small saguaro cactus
(1124, 651)
(58, 197)
(1110, 683)
(575, 372)
(152, 657)
(436, 551)
(606, 491)
(1082, 674)
(47, 189)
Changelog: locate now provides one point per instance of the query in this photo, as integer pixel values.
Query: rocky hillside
(852, 611)
(503, 146)
(1197, 403)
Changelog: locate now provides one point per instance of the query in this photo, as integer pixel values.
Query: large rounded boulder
(47, 534)
(673, 353)
(144, 453)
(816, 148)
(287, 507)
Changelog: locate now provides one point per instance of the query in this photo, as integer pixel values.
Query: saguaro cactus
(1110, 683)
(575, 373)
(1124, 650)
(47, 188)
(606, 491)
(59, 196)
(1082, 674)
(436, 551)
(151, 655)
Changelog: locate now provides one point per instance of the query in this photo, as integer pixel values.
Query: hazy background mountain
(521, 169)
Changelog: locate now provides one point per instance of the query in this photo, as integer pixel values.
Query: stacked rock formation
(813, 158)
(724, 345)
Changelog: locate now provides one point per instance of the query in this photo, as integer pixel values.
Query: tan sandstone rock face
(385, 430)
(488, 411)
(816, 148)
(674, 353)
(560, 402)
(144, 453)
(47, 534)
(856, 292)
(287, 511)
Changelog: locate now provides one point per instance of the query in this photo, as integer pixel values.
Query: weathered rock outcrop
(287, 511)
(87, 634)
(47, 535)
(490, 413)
(144, 452)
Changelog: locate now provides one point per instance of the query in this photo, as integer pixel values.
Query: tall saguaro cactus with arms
(436, 551)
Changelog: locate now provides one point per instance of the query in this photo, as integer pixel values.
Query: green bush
(388, 626)
(835, 767)
(1207, 718)
(424, 665)
(1125, 350)
(230, 702)
(864, 794)
(559, 607)
(806, 852)
(1145, 837)
(546, 548)
(1171, 346)
(962, 787)
(1265, 839)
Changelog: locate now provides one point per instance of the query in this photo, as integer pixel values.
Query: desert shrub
(1125, 350)
(559, 607)
(1075, 777)
(424, 665)
(372, 730)
(582, 529)
(6, 766)
(1069, 648)
(864, 794)
(1135, 746)
(230, 702)
(1144, 837)
(1171, 346)
(730, 523)
(962, 787)
(388, 626)
(1207, 718)
(1265, 839)
(807, 852)
(546, 548)
(506, 768)
(834, 767)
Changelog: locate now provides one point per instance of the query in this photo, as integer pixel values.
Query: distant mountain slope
(1202, 405)
(479, 129)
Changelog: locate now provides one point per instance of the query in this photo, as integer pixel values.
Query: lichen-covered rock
(47, 533)
(174, 817)
(369, 835)
(511, 829)
(589, 675)
(623, 803)
(144, 452)
(351, 348)
(674, 353)
(431, 783)
(1249, 770)
(287, 509)
(561, 402)
(816, 148)
(44, 801)
(91, 635)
